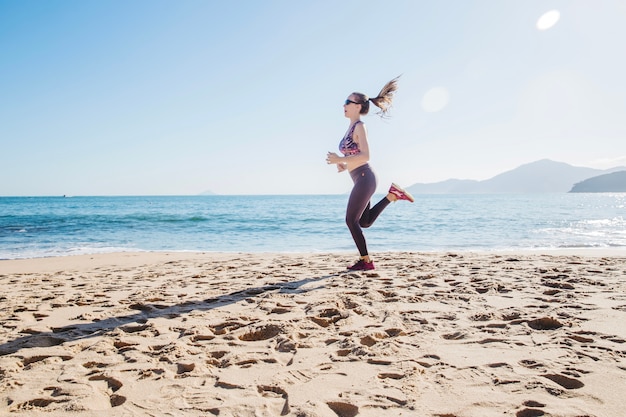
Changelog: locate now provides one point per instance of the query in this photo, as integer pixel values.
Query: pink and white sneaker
(361, 265)
(400, 193)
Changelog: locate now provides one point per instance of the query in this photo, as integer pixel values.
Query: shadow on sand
(137, 322)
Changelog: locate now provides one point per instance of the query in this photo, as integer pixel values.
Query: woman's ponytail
(382, 100)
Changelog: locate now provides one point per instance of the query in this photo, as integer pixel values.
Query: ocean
(32, 227)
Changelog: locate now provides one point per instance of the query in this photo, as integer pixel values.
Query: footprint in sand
(227, 385)
(114, 385)
(454, 336)
(280, 310)
(262, 333)
(117, 400)
(92, 364)
(531, 364)
(391, 375)
(217, 359)
(39, 403)
(564, 381)
(530, 412)
(545, 323)
(139, 328)
(122, 346)
(369, 341)
(273, 391)
(329, 316)
(343, 409)
(184, 368)
(223, 328)
(580, 339)
(33, 359)
(201, 338)
(154, 373)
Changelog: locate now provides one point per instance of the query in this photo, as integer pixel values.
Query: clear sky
(149, 97)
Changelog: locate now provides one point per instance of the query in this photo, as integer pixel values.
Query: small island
(608, 183)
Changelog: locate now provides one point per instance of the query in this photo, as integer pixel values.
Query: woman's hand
(333, 158)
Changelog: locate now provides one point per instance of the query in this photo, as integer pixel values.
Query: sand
(205, 334)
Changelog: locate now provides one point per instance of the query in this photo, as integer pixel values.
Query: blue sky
(179, 97)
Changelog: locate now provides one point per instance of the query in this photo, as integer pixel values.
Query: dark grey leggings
(359, 214)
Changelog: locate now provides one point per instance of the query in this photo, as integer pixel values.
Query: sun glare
(548, 19)
(435, 99)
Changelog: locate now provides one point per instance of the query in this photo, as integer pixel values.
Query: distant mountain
(544, 176)
(607, 183)
(444, 187)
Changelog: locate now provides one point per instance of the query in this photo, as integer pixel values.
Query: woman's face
(350, 108)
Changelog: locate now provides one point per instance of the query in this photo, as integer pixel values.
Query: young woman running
(356, 155)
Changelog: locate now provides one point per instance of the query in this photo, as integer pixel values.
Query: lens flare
(548, 19)
(435, 99)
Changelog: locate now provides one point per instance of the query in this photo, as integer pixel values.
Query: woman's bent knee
(364, 224)
(353, 224)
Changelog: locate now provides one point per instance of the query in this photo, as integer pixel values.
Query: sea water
(55, 226)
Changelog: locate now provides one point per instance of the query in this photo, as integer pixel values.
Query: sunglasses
(350, 101)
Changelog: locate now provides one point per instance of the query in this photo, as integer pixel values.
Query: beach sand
(205, 334)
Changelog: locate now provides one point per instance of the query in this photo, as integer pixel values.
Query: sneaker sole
(403, 191)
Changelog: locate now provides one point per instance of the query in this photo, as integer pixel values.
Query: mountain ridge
(542, 176)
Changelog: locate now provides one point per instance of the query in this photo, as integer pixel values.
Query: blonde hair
(382, 100)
